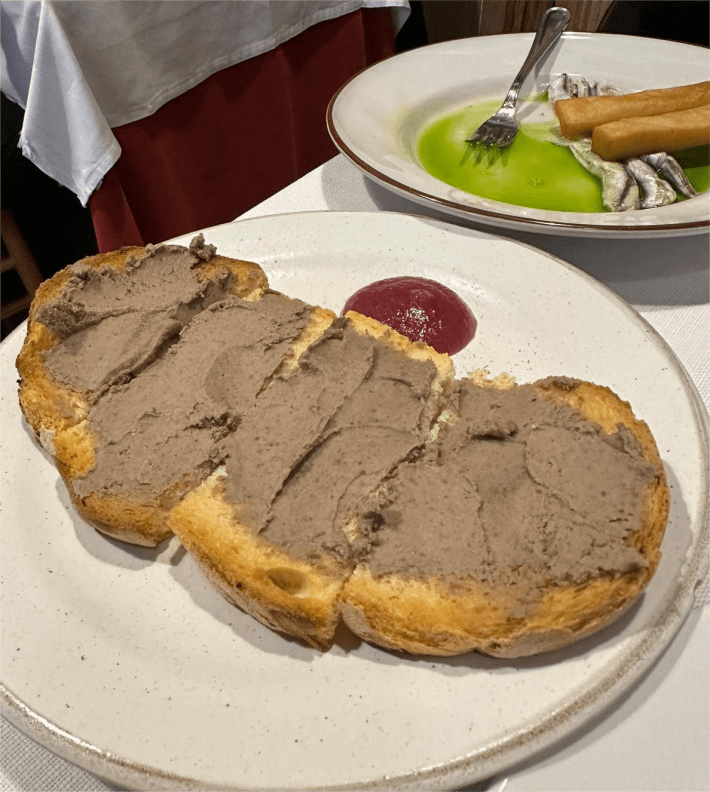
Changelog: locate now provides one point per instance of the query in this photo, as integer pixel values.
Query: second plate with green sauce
(404, 122)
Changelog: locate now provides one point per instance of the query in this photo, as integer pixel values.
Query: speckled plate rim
(377, 153)
(527, 740)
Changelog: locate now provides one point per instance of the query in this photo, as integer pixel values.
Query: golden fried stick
(580, 115)
(633, 137)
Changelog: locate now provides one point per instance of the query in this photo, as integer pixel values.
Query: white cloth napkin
(79, 69)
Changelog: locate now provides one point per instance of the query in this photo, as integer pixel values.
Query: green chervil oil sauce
(532, 171)
(695, 164)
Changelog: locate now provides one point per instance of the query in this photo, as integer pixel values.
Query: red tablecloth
(236, 138)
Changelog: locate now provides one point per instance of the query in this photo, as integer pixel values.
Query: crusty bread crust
(288, 595)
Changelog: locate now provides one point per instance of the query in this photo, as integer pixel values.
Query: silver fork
(500, 129)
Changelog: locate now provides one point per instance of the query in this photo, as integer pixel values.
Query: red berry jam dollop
(419, 308)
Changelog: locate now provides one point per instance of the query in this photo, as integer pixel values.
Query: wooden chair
(20, 273)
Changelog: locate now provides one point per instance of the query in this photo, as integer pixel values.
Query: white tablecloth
(79, 69)
(656, 736)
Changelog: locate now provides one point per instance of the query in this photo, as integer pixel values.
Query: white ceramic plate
(376, 118)
(126, 662)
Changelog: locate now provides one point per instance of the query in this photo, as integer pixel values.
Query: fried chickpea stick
(580, 115)
(633, 137)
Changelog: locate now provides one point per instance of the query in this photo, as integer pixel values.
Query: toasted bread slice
(327, 469)
(58, 409)
(448, 615)
(274, 541)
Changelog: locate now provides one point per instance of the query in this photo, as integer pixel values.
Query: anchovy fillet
(620, 191)
(567, 86)
(583, 88)
(655, 191)
(670, 169)
(605, 88)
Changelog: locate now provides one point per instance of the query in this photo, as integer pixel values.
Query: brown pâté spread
(517, 490)
(113, 324)
(317, 441)
(165, 421)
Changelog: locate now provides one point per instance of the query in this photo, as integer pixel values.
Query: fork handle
(553, 22)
